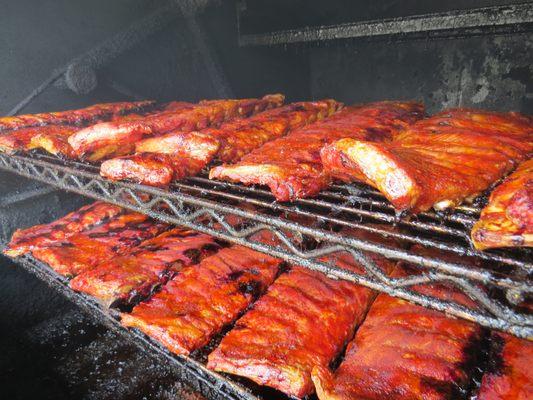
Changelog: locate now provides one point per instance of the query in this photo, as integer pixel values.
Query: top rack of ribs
(507, 220)
(117, 138)
(404, 351)
(26, 240)
(303, 320)
(438, 162)
(85, 250)
(73, 117)
(132, 277)
(291, 165)
(177, 155)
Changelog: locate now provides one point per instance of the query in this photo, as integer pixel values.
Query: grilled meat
(510, 376)
(85, 250)
(23, 139)
(118, 138)
(177, 155)
(170, 161)
(134, 275)
(26, 240)
(507, 221)
(439, 162)
(291, 165)
(202, 299)
(303, 320)
(404, 351)
(73, 117)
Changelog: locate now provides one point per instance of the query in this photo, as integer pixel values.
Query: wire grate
(308, 229)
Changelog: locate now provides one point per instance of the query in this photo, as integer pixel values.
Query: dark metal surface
(479, 21)
(198, 203)
(206, 382)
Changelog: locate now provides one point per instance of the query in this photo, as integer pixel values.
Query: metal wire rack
(208, 383)
(308, 229)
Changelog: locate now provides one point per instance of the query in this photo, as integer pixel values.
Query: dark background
(48, 348)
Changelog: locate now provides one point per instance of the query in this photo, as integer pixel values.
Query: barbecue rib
(438, 162)
(85, 250)
(404, 351)
(23, 139)
(115, 138)
(133, 277)
(303, 320)
(177, 155)
(202, 299)
(507, 221)
(510, 376)
(73, 117)
(291, 165)
(26, 240)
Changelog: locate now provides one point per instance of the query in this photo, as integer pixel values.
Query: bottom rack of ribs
(202, 299)
(85, 250)
(126, 279)
(404, 351)
(304, 320)
(287, 327)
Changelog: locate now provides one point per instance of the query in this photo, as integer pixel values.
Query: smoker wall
(494, 72)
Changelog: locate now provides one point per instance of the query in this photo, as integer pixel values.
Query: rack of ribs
(438, 162)
(509, 375)
(303, 320)
(85, 250)
(177, 155)
(202, 299)
(291, 165)
(127, 279)
(26, 240)
(507, 220)
(24, 139)
(73, 117)
(55, 141)
(405, 351)
(116, 138)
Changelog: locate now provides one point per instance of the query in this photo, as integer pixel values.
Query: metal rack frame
(205, 205)
(513, 18)
(208, 383)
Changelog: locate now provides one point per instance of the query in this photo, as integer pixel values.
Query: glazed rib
(23, 139)
(85, 250)
(404, 351)
(507, 220)
(177, 155)
(303, 320)
(134, 276)
(438, 162)
(26, 240)
(117, 138)
(73, 117)
(202, 299)
(510, 375)
(291, 165)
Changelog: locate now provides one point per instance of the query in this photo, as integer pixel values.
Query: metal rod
(189, 203)
(506, 18)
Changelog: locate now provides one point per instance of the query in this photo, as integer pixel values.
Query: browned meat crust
(134, 276)
(26, 240)
(291, 165)
(507, 221)
(438, 162)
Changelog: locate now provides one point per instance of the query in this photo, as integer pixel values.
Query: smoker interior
(192, 52)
